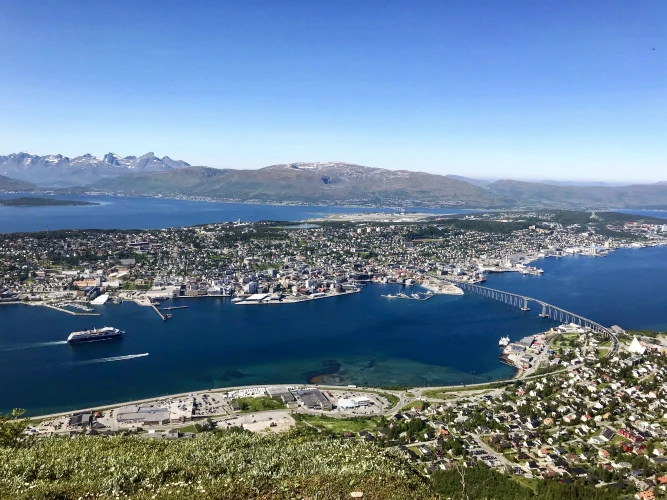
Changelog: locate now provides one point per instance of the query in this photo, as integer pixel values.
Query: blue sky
(522, 89)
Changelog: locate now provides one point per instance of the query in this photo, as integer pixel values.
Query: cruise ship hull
(106, 337)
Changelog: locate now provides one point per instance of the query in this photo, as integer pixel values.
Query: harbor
(86, 311)
(413, 296)
(267, 298)
(365, 339)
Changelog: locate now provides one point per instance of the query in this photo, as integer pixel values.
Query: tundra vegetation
(302, 463)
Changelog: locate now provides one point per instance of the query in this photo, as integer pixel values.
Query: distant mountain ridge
(320, 182)
(8, 184)
(470, 180)
(61, 171)
(540, 195)
(331, 183)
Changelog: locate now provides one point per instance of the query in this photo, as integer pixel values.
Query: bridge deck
(548, 310)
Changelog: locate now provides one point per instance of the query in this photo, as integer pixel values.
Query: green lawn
(188, 428)
(339, 425)
(602, 352)
(437, 395)
(263, 403)
(529, 483)
(465, 388)
(391, 398)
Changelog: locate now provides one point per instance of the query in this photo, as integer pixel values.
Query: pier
(547, 310)
(164, 318)
(62, 309)
(425, 296)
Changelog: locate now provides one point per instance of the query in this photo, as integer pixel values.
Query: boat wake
(107, 360)
(19, 347)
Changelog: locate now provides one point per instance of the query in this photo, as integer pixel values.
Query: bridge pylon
(525, 305)
(544, 314)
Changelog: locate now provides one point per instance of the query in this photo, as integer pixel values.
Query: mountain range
(308, 183)
(61, 171)
(9, 184)
(330, 182)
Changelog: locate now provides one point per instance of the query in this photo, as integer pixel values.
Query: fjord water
(157, 213)
(626, 288)
(357, 339)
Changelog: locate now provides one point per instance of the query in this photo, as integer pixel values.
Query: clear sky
(565, 89)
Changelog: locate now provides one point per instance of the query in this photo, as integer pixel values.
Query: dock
(61, 309)
(164, 318)
(409, 297)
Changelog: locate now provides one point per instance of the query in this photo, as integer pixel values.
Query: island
(581, 417)
(30, 201)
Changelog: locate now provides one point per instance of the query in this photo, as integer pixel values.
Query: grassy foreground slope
(220, 465)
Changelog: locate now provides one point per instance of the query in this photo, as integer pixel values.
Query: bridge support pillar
(525, 305)
(544, 314)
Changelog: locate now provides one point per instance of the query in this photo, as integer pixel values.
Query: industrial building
(282, 394)
(149, 415)
(314, 399)
(81, 419)
(356, 402)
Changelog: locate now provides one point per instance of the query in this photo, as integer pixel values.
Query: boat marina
(412, 296)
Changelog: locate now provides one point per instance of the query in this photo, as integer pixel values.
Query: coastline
(207, 199)
(516, 375)
(375, 389)
(294, 300)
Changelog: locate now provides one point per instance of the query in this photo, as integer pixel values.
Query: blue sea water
(627, 287)
(157, 213)
(659, 214)
(357, 339)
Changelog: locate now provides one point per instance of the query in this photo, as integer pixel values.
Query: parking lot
(350, 402)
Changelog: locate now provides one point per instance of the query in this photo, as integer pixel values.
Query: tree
(12, 428)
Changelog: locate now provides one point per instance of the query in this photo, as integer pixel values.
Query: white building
(636, 347)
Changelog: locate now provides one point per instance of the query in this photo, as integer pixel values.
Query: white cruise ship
(106, 333)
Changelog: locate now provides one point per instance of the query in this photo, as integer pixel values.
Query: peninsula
(270, 262)
(582, 418)
(29, 201)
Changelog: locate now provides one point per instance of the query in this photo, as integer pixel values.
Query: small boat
(236, 300)
(503, 341)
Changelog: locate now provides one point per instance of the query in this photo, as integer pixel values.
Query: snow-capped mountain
(61, 171)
